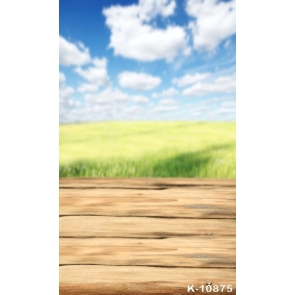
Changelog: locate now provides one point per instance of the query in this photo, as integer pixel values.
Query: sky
(147, 60)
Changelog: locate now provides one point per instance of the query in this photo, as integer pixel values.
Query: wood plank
(190, 192)
(183, 252)
(143, 227)
(146, 236)
(177, 202)
(138, 280)
(148, 183)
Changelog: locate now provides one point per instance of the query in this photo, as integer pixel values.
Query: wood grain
(182, 252)
(146, 235)
(142, 227)
(143, 183)
(183, 202)
(134, 280)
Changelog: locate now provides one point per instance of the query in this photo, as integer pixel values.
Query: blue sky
(147, 60)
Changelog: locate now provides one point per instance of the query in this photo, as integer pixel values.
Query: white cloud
(218, 100)
(198, 89)
(138, 81)
(166, 105)
(217, 108)
(138, 99)
(168, 101)
(71, 54)
(224, 84)
(134, 110)
(225, 111)
(65, 99)
(200, 110)
(215, 21)
(66, 93)
(62, 78)
(87, 88)
(107, 96)
(105, 105)
(169, 92)
(151, 8)
(229, 104)
(96, 75)
(84, 114)
(132, 36)
(190, 79)
(100, 63)
(164, 108)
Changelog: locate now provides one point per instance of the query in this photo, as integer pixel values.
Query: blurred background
(147, 88)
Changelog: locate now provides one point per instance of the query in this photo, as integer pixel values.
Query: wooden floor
(147, 236)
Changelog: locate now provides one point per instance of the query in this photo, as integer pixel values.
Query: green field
(148, 149)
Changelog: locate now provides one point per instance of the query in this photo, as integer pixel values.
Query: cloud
(138, 99)
(164, 109)
(87, 88)
(226, 108)
(166, 102)
(151, 8)
(216, 108)
(65, 99)
(169, 92)
(132, 36)
(138, 81)
(190, 79)
(71, 54)
(96, 75)
(215, 21)
(111, 103)
(66, 93)
(107, 96)
(114, 96)
(62, 78)
(230, 100)
(133, 111)
(166, 105)
(88, 113)
(223, 84)
(200, 110)
(198, 89)
(229, 104)
(224, 111)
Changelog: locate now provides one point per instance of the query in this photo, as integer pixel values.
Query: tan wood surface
(134, 280)
(188, 252)
(142, 227)
(146, 236)
(171, 202)
(144, 183)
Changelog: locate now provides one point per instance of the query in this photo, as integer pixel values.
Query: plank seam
(143, 216)
(142, 265)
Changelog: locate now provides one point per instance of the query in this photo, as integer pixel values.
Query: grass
(148, 149)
